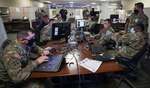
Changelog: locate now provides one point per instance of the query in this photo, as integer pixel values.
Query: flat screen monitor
(81, 23)
(61, 30)
(114, 16)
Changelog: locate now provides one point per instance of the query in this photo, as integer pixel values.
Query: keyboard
(52, 65)
(96, 49)
(104, 57)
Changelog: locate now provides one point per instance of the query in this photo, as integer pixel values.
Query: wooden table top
(70, 67)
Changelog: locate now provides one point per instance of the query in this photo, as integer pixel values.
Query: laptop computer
(53, 65)
(95, 49)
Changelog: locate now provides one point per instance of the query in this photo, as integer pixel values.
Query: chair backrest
(96, 28)
(132, 64)
(137, 57)
(124, 82)
(5, 43)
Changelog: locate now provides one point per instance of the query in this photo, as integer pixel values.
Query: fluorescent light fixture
(113, 4)
(103, 0)
(93, 3)
(47, 1)
(54, 4)
(71, 2)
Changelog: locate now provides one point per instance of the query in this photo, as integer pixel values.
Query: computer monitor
(114, 16)
(81, 23)
(61, 30)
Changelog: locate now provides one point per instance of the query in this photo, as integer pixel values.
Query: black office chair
(5, 43)
(95, 29)
(145, 63)
(126, 82)
(130, 66)
(37, 38)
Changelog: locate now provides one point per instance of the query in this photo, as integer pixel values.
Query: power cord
(72, 50)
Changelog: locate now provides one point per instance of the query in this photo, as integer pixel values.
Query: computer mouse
(86, 47)
(48, 48)
(101, 54)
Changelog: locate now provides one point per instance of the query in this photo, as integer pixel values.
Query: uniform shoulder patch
(14, 64)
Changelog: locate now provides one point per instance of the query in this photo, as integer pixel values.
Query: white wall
(107, 9)
(77, 12)
(129, 4)
(15, 3)
(20, 3)
(104, 10)
(147, 12)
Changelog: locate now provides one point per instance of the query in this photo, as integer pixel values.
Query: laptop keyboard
(55, 62)
(96, 49)
(52, 65)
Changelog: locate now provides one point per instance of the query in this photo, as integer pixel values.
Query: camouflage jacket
(105, 34)
(134, 19)
(46, 33)
(131, 44)
(15, 64)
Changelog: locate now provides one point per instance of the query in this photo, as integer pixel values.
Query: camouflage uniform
(15, 65)
(46, 33)
(131, 44)
(85, 13)
(135, 19)
(105, 34)
(58, 20)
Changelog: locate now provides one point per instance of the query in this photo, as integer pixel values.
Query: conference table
(72, 67)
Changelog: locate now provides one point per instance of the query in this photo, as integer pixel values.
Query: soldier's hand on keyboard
(42, 59)
(45, 52)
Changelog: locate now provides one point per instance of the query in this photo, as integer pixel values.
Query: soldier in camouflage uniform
(131, 42)
(46, 32)
(136, 17)
(16, 64)
(58, 18)
(106, 33)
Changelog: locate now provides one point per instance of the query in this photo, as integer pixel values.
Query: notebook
(53, 65)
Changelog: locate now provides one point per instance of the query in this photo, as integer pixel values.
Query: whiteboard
(3, 35)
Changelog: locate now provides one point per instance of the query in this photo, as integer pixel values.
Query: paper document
(90, 64)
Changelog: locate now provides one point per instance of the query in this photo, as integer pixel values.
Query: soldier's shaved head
(24, 33)
(140, 5)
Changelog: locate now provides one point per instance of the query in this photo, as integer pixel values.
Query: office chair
(37, 35)
(126, 82)
(95, 29)
(5, 43)
(147, 54)
(130, 66)
(145, 63)
(37, 38)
